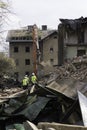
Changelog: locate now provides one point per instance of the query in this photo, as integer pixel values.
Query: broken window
(81, 52)
(16, 38)
(13, 38)
(51, 49)
(51, 61)
(20, 38)
(27, 61)
(27, 73)
(24, 38)
(27, 49)
(15, 49)
(30, 38)
(27, 38)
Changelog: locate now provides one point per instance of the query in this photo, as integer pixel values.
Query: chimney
(44, 27)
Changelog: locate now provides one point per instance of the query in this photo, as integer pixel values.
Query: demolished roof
(57, 101)
(24, 34)
(74, 23)
(69, 77)
(42, 105)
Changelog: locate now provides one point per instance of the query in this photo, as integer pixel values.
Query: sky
(45, 12)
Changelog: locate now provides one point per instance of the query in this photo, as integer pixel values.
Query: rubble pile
(75, 69)
(45, 105)
(42, 105)
(9, 91)
(51, 101)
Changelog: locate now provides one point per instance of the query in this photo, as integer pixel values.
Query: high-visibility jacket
(25, 81)
(33, 79)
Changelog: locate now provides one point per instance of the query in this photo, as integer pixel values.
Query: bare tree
(5, 10)
(6, 64)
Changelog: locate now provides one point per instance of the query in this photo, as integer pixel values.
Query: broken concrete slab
(58, 126)
(68, 87)
(31, 111)
(83, 106)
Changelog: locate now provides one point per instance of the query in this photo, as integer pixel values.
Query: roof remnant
(44, 104)
(24, 32)
(74, 23)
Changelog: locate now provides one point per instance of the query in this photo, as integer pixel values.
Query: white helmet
(26, 76)
(33, 73)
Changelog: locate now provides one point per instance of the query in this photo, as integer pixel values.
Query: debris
(72, 69)
(83, 105)
(58, 126)
(55, 99)
(43, 105)
(30, 126)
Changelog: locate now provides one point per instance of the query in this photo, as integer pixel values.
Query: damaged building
(72, 38)
(21, 48)
(59, 101)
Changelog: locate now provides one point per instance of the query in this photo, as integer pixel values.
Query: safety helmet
(25, 76)
(33, 73)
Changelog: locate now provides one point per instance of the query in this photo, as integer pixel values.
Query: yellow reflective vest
(25, 81)
(33, 79)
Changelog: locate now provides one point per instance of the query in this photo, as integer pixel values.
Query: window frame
(27, 61)
(16, 49)
(27, 49)
(51, 49)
